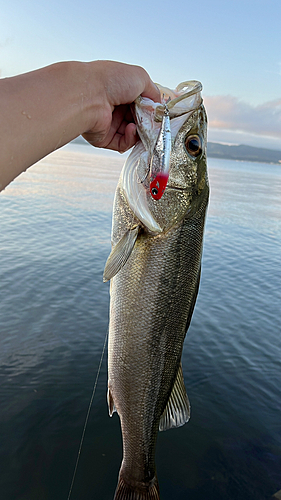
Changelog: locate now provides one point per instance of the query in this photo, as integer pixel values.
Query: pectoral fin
(120, 253)
(177, 411)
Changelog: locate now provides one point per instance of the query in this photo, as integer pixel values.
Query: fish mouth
(179, 104)
(176, 188)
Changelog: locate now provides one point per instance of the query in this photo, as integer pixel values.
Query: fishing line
(90, 404)
(93, 392)
(87, 416)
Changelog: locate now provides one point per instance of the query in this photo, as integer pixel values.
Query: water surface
(55, 238)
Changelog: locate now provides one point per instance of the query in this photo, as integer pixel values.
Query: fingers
(121, 135)
(152, 91)
(121, 84)
(123, 131)
(122, 142)
(126, 82)
(149, 89)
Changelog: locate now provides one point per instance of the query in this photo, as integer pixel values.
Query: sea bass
(154, 268)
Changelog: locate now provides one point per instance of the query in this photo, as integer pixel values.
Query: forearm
(43, 110)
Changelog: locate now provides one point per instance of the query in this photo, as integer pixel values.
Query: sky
(232, 47)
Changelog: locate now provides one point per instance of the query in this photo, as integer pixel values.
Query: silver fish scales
(154, 268)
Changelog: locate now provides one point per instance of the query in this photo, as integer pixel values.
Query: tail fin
(125, 491)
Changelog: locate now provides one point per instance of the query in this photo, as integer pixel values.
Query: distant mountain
(242, 152)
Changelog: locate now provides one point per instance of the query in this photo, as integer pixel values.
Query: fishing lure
(160, 161)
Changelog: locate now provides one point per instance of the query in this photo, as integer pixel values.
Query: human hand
(49, 107)
(117, 86)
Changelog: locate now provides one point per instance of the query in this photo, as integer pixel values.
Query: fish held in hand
(154, 268)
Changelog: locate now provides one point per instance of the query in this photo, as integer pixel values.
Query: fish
(154, 270)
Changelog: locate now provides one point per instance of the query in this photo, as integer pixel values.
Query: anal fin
(177, 411)
(110, 402)
(120, 253)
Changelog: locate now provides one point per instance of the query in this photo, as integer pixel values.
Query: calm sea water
(55, 238)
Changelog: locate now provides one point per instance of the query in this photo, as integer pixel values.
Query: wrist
(96, 105)
(85, 91)
(80, 92)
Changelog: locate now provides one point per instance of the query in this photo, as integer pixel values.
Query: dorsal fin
(120, 253)
(177, 411)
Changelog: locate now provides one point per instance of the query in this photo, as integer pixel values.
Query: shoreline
(219, 151)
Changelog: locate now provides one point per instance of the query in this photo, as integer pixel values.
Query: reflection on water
(55, 238)
(75, 176)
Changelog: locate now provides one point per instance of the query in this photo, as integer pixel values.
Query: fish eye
(193, 145)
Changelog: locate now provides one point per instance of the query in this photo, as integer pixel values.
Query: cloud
(229, 113)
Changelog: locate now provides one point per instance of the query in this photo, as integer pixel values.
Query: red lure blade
(158, 185)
